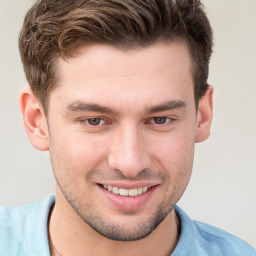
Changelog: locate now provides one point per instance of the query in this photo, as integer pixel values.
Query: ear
(204, 116)
(34, 119)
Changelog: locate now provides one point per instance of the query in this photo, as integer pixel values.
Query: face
(122, 128)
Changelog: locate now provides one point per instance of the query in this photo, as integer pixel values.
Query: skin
(127, 92)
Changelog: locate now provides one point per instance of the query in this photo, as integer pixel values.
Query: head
(119, 97)
(55, 29)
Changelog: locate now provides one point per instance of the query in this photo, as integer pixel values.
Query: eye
(94, 121)
(160, 120)
(95, 124)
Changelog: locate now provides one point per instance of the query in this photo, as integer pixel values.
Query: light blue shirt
(23, 232)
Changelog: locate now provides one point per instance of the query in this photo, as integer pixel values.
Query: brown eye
(160, 120)
(94, 121)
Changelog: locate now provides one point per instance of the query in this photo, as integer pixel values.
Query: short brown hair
(55, 28)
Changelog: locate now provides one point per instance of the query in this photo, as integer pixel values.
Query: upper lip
(131, 185)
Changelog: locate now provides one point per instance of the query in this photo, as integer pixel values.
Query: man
(118, 96)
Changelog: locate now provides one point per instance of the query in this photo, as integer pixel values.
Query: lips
(128, 198)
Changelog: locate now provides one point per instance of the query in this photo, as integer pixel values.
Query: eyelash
(102, 121)
(167, 120)
(87, 121)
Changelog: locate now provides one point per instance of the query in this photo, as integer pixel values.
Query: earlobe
(204, 116)
(34, 120)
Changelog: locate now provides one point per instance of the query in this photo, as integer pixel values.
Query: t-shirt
(23, 232)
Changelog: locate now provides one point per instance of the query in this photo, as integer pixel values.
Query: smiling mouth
(126, 192)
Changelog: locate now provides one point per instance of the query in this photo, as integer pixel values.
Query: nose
(128, 151)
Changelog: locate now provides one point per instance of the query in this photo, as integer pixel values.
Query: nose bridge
(127, 150)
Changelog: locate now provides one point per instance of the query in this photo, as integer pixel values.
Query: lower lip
(128, 203)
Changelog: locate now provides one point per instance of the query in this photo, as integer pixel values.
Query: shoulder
(198, 238)
(21, 226)
(13, 220)
(219, 239)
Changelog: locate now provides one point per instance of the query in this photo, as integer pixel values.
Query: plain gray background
(222, 190)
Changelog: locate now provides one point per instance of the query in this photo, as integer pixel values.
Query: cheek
(177, 160)
(175, 149)
(75, 153)
(174, 155)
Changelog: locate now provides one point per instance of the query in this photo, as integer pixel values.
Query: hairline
(73, 53)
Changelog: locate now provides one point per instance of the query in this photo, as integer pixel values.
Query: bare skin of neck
(69, 235)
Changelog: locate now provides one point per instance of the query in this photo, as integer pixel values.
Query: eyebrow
(169, 105)
(79, 106)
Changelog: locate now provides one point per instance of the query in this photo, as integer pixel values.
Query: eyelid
(84, 121)
(171, 119)
(101, 121)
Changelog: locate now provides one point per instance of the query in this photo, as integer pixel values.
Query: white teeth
(115, 190)
(140, 191)
(126, 192)
(123, 192)
(145, 189)
(133, 192)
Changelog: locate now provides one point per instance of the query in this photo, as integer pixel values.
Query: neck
(70, 235)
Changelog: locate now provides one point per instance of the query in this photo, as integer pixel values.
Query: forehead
(100, 57)
(103, 73)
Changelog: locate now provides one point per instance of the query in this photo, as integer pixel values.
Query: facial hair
(125, 231)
